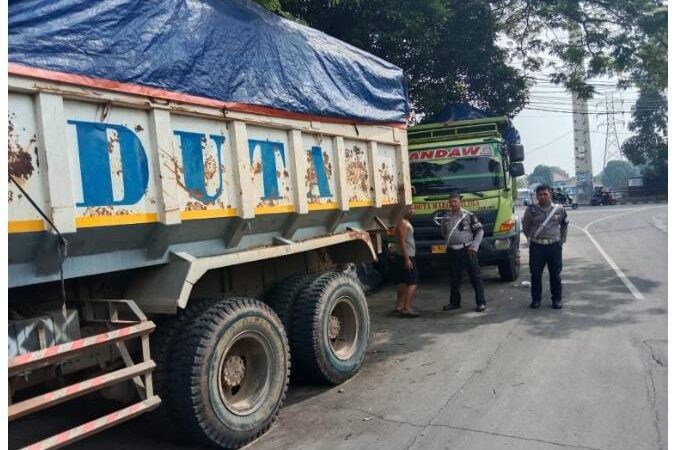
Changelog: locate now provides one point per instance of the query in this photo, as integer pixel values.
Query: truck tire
(162, 344)
(331, 329)
(509, 269)
(231, 373)
(282, 297)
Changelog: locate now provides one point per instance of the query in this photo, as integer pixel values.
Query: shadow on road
(594, 297)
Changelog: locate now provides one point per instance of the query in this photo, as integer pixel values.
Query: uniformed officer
(463, 233)
(545, 226)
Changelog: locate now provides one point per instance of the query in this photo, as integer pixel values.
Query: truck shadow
(593, 295)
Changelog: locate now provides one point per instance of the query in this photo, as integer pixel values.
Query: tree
(448, 49)
(649, 147)
(616, 173)
(559, 172)
(521, 182)
(542, 174)
(627, 38)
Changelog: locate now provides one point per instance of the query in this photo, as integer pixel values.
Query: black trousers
(459, 259)
(539, 256)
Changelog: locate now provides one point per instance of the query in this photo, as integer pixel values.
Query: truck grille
(424, 228)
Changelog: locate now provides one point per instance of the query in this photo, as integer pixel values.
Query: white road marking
(658, 223)
(629, 284)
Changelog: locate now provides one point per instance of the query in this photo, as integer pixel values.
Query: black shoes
(556, 304)
(451, 307)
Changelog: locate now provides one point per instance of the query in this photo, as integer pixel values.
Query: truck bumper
(492, 250)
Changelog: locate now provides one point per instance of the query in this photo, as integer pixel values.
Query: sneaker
(481, 308)
(557, 304)
(451, 307)
(535, 304)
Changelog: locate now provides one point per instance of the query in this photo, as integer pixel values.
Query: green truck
(470, 157)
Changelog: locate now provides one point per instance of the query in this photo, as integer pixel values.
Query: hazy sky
(548, 136)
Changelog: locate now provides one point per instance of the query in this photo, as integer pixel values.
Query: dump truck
(186, 180)
(467, 151)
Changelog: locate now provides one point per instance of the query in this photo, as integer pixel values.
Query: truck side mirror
(516, 153)
(516, 169)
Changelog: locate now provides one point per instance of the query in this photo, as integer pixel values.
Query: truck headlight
(502, 244)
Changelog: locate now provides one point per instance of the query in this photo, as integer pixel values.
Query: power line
(549, 143)
(594, 113)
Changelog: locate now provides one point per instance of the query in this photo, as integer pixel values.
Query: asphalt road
(591, 376)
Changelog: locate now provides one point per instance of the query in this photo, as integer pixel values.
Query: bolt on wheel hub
(234, 371)
(333, 327)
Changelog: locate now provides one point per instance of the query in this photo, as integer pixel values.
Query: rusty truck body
(184, 249)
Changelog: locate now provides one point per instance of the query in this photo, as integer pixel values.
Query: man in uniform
(463, 233)
(545, 226)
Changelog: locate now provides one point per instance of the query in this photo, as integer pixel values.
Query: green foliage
(627, 38)
(559, 171)
(448, 49)
(649, 147)
(542, 174)
(616, 173)
(274, 6)
(521, 182)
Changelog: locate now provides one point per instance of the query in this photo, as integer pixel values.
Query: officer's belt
(458, 246)
(545, 241)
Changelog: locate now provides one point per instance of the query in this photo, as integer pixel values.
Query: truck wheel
(331, 329)
(231, 373)
(509, 268)
(282, 297)
(162, 343)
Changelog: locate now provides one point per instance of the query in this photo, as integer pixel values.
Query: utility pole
(612, 148)
(582, 153)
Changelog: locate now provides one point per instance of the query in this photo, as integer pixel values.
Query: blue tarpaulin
(228, 50)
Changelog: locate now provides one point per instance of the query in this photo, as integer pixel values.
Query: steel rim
(343, 328)
(245, 370)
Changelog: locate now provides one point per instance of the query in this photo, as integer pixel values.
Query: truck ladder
(58, 353)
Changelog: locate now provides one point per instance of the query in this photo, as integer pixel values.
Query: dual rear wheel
(223, 366)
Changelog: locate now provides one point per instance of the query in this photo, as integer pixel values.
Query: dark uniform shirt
(553, 231)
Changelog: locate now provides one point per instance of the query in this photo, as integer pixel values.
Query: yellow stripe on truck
(114, 220)
(25, 226)
(208, 213)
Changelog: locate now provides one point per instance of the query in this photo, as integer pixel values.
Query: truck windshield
(458, 175)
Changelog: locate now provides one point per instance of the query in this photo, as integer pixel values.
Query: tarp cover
(462, 111)
(229, 50)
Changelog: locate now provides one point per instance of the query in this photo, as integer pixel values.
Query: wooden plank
(58, 352)
(52, 134)
(374, 174)
(88, 429)
(64, 394)
(238, 136)
(342, 194)
(403, 168)
(296, 161)
(164, 159)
